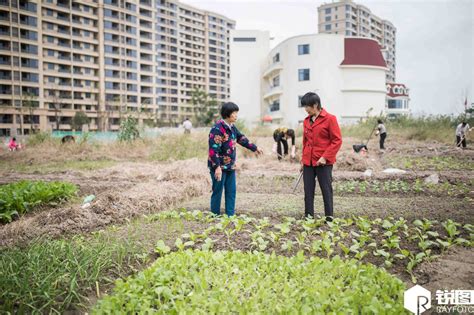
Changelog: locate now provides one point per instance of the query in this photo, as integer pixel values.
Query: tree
(79, 119)
(57, 109)
(205, 107)
(30, 103)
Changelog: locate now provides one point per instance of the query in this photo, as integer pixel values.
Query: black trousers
(382, 140)
(324, 175)
(459, 142)
(281, 143)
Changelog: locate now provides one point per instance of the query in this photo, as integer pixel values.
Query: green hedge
(197, 282)
(23, 196)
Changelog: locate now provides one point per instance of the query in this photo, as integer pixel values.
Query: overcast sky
(435, 41)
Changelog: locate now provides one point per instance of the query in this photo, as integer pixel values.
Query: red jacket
(321, 139)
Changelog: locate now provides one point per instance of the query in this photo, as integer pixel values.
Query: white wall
(246, 63)
(363, 88)
(345, 91)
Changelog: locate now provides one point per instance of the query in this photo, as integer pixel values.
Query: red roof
(362, 51)
(396, 89)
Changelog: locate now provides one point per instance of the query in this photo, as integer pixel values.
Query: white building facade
(397, 99)
(347, 73)
(249, 53)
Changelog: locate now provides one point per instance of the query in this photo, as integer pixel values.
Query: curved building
(347, 73)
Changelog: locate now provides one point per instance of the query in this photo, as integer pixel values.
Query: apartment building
(350, 19)
(107, 58)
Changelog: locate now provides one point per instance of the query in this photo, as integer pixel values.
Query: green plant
(38, 138)
(52, 276)
(196, 282)
(79, 119)
(128, 129)
(24, 196)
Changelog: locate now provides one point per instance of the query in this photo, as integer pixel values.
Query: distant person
(281, 136)
(68, 139)
(382, 132)
(223, 139)
(13, 145)
(187, 125)
(321, 142)
(461, 132)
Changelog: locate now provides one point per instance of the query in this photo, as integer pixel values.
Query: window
(276, 58)
(327, 18)
(245, 39)
(299, 100)
(275, 106)
(303, 75)
(50, 66)
(327, 11)
(276, 81)
(348, 7)
(327, 27)
(303, 49)
(395, 104)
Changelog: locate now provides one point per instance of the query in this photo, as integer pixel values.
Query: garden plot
(413, 229)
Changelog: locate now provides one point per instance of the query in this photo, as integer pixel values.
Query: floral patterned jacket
(222, 145)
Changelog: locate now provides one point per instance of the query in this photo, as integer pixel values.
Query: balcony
(274, 67)
(274, 91)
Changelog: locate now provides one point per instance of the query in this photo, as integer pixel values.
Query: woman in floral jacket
(223, 138)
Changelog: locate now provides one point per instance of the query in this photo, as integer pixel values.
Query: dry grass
(150, 188)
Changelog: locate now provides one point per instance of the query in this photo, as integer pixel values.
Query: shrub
(128, 129)
(23, 196)
(196, 282)
(38, 138)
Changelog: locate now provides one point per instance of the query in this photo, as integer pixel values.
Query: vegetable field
(147, 243)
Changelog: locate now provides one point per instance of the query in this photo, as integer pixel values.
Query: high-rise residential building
(350, 19)
(107, 58)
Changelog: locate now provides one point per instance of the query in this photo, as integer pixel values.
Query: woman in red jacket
(321, 142)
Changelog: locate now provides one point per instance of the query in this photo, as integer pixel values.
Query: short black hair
(290, 133)
(464, 123)
(380, 121)
(311, 99)
(14, 139)
(228, 108)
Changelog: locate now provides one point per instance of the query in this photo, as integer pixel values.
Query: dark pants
(280, 152)
(382, 140)
(228, 183)
(324, 175)
(459, 142)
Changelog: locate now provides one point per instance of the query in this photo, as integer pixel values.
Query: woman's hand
(218, 174)
(259, 151)
(321, 162)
